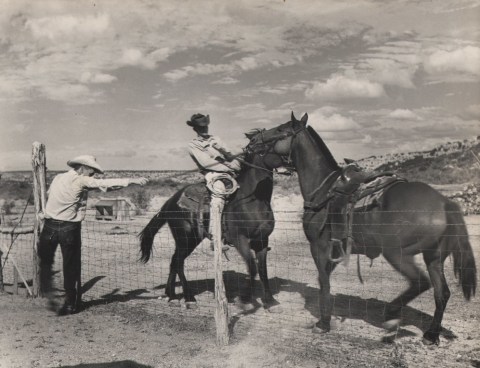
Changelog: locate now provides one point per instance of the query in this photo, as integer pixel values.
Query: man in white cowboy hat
(64, 213)
(213, 159)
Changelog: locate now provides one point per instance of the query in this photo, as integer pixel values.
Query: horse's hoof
(392, 324)
(274, 309)
(174, 302)
(430, 339)
(244, 306)
(272, 306)
(319, 331)
(388, 339)
(191, 305)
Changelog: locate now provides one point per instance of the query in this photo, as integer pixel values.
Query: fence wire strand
(111, 272)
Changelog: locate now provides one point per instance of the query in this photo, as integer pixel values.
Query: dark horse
(411, 218)
(248, 221)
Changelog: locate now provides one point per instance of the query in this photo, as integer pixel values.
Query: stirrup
(342, 251)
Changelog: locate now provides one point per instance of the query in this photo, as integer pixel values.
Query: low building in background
(115, 209)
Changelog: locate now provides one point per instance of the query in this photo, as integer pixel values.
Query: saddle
(196, 199)
(354, 191)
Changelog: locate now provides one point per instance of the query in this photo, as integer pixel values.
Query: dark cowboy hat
(199, 120)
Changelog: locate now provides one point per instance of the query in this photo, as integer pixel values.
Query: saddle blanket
(195, 198)
(368, 194)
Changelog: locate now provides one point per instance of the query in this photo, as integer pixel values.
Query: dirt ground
(124, 324)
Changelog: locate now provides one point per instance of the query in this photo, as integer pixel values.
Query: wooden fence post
(40, 197)
(15, 281)
(221, 310)
(2, 286)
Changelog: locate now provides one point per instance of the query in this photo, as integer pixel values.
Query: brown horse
(411, 218)
(248, 220)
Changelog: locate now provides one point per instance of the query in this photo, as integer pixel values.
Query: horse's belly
(377, 230)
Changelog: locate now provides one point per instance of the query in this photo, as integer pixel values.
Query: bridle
(264, 145)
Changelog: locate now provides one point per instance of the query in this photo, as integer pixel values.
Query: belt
(53, 221)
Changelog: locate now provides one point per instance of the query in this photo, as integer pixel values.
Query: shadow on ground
(118, 364)
(372, 310)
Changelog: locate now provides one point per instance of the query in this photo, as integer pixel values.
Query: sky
(119, 79)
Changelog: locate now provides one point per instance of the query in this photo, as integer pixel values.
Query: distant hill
(453, 168)
(449, 163)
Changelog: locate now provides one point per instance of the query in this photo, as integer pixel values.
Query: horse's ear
(252, 133)
(348, 161)
(304, 119)
(293, 118)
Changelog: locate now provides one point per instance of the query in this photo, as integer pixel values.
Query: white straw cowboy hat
(86, 160)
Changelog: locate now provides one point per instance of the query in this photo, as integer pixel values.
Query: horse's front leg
(243, 247)
(320, 254)
(268, 300)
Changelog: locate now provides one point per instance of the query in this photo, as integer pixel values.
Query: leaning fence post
(15, 281)
(221, 310)
(39, 195)
(2, 286)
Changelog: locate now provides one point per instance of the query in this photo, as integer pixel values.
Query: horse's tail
(463, 260)
(148, 233)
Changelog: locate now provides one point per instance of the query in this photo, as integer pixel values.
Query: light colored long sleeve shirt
(206, 154)
(68, 194)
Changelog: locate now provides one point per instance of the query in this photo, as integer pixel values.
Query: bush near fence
(468, 198)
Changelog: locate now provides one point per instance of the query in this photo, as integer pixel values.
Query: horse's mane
(323, 147)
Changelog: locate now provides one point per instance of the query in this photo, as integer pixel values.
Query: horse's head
(277, 140)
(270, 159)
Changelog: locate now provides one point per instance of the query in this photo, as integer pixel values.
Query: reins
(311, 205)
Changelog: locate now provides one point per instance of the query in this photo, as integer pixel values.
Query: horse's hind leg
(417, 279)
(441, 294)
(170, 287)
(177, 266)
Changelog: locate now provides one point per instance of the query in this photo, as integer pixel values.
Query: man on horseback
(213, 159)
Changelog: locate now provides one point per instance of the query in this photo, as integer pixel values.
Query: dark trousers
(68, 235)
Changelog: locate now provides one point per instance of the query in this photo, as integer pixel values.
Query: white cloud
(234, 68)
(70, 93)
(404, 114)
(67, 25)
(390, 72)
(472, 112)
(131, 56)
(327, 119)
(136, 57)
(247, 63)
(340, 87)
(463, 60)
(367, 139)
(227, 80)
(88, 77)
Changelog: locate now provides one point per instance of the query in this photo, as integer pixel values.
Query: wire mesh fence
(111, 271)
